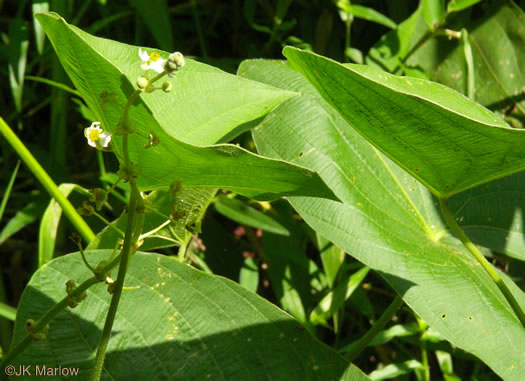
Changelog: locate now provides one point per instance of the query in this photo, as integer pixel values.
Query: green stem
(459, 233)
(69, 210)
(8, 189)
(132, 234)
(48, 316)
(361, 344)
(469, 64)
(110, 224)
(101, 165)
(424, 352)
(426, 37)
(127, 250)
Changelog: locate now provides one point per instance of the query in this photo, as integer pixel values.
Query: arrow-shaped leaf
(389, 221)
(106, 85)
(446, 141)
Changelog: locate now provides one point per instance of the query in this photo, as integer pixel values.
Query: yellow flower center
(154, 57)
(94, 135)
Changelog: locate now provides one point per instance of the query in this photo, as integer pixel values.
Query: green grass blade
(7, 191)
(37, 170)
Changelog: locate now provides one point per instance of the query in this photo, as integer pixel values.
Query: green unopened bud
(166, 87)
(177, 58)
(175, 61)
(142, 82)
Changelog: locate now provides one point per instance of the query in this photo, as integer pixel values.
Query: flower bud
(166, 87)
(177, 58)
(175, 61)
(142, 82)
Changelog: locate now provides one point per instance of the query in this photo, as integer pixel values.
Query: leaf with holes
(174, 322)
(389, 221)
(443, 139)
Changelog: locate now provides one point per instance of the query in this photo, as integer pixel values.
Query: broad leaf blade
(459, 5)
(175, 322)
(388, 221)
(366, 13)
(443, 139)
(106, 88)
(205, 103)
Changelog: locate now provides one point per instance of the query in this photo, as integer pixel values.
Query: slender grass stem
(69, 210)
(460, 234)
(8, 189)
(109, 224)
(361, 344)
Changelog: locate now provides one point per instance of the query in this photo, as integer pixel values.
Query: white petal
(158, 65)
(104, 139)
(92, 143)
(95, 124)
(143, 54)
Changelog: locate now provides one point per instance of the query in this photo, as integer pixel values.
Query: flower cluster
(151, 61)
(154, 62)
(100, 139)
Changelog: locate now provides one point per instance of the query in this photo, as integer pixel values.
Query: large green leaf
(442, 138)
(106, 86)
(389, 221)
(489, 214)
(204, 105)
(173, 323)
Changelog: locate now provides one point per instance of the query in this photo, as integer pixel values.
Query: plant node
(72, 300)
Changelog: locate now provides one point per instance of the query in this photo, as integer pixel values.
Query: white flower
(151, 61)
(97, 137)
